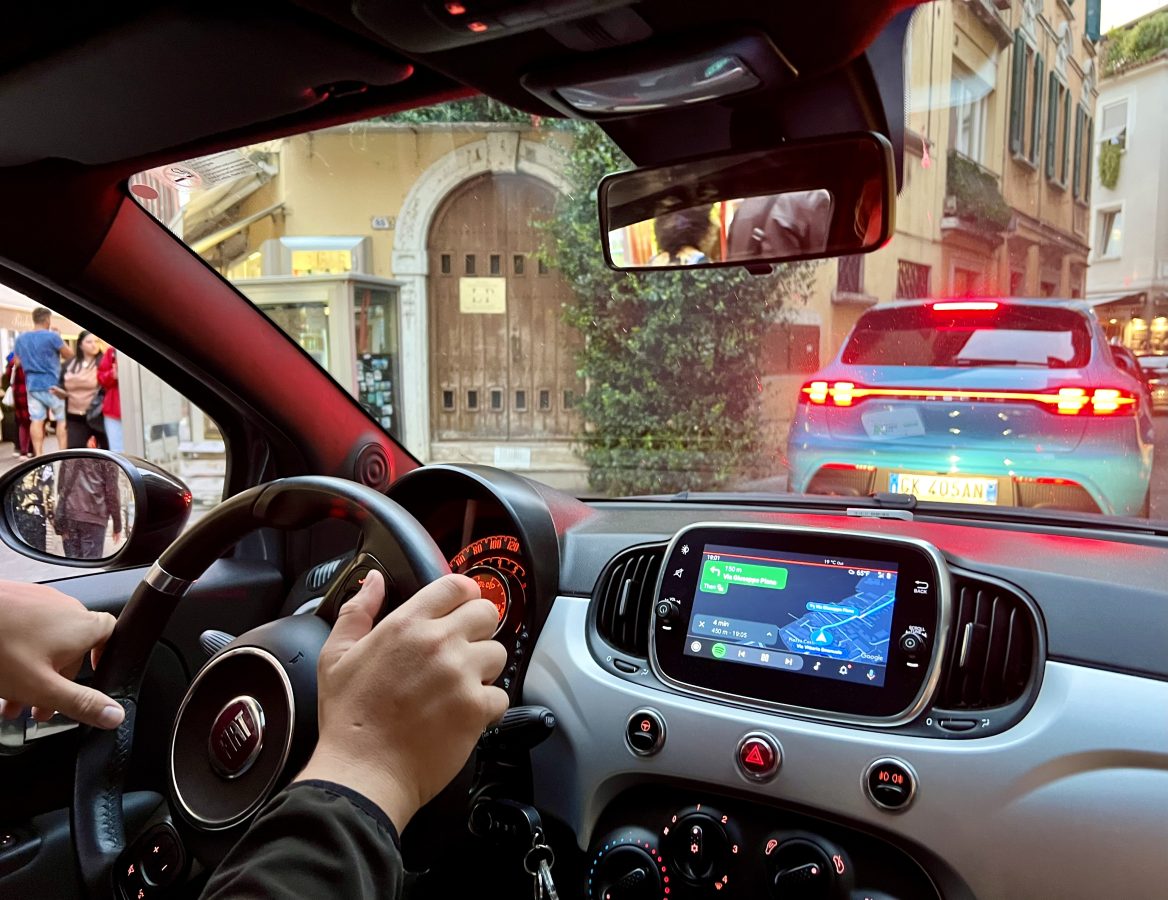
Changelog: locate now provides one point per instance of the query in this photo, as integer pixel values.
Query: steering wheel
(248, 721)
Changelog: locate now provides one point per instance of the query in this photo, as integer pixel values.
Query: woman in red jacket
(111, 407)
(14, 378)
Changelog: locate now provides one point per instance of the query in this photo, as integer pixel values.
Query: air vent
(624, 597)
(321, 575)
(992, 654)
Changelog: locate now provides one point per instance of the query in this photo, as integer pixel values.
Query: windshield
(444, 265)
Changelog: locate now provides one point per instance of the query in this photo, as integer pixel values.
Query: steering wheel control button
(162, 858)
(645, 732)
(758, 756)
(236, 738)
(891, 784)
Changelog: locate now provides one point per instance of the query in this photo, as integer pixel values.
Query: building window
(1113, 124)
(1110, 232)
(967, 115)
(1026, 91)
(496, 399)
(1057, 130)
(520, 401)
(912, 280)
(1081, 175)
(470, 264)
(966, 282)
(545, 399)
(496, 264)
(569, 399)
(542, 266)
(472, 399)
(448, 400)
(851, 275)
(1017, 283)
(517, 263)
(445, 264)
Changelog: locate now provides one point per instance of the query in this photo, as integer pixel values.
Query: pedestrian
(111, 406)
(80, 388)
(682, 235)
(39, 352)
(87, 502)
(14, 379)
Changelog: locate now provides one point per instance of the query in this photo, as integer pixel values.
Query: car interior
(1009, 739)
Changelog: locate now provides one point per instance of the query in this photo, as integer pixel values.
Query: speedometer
(495, 564)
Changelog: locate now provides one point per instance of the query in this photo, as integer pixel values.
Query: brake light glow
(966, 306)
(1067, 401)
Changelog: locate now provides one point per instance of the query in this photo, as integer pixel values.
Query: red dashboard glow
(494, 590)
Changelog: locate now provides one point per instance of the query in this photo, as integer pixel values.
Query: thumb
(81, 703)
(355, 620)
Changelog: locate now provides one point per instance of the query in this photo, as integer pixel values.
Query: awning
(1105, 299)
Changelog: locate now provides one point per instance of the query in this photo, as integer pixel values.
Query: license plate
(945, 488)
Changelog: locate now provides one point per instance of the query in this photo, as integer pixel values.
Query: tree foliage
(1110, 157)
(670, 359)
(1135, 44)
(976, 194)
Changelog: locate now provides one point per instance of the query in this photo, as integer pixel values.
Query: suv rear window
(1008, 336)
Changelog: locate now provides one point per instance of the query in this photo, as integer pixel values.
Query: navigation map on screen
(794, 612)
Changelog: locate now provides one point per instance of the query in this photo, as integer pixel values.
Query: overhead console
(836, 625)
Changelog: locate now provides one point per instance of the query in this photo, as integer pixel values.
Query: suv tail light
(1067, 401)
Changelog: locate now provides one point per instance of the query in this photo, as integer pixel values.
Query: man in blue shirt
(40, 352)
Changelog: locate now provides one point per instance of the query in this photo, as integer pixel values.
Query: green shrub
(1110, 156)
(1135, 44)
(977, 195)
(670, 359)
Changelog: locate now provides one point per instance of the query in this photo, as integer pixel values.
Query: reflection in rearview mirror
(81, 508)
(813, 199)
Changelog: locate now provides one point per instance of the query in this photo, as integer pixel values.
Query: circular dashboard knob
(645, 732)
(627, 867)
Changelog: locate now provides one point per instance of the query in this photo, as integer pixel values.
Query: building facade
(1129, 263)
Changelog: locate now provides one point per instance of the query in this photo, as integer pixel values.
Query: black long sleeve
(314, 839)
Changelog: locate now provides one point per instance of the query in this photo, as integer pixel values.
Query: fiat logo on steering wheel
(237, 736)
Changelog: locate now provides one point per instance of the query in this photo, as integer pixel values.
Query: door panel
(490, 370)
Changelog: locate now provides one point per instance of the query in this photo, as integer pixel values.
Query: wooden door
(502, 360)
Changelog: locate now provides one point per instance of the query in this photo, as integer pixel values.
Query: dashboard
(766, 702)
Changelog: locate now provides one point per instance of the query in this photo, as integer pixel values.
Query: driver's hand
(44, 636)
(401, 705)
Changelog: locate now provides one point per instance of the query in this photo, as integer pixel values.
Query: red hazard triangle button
(758, 756)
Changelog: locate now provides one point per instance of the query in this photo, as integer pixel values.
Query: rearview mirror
(826, 197)
(91, 508)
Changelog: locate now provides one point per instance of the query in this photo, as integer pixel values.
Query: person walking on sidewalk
(80, 388)
(111, 405)
(40, 352)
(14, 379)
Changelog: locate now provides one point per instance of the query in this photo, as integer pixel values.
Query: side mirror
(830, 196)
(90, 508)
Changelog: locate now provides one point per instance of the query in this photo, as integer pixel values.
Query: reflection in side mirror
(827, 197)
(74, 509)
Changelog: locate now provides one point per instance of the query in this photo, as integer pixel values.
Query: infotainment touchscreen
(817, 615)
(819, 621)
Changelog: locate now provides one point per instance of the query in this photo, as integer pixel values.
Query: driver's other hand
(44, 636)
(401, 705)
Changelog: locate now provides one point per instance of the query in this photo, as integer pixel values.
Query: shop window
(569, 399)
(517, 263)
(496, 264)
(446, 264)
(545, 399)
(521, 401)
(472, 399)
(496, 399)
(470, 264)
(912, 280)
(448, 400)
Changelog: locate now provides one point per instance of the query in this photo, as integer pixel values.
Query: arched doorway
(502, 360)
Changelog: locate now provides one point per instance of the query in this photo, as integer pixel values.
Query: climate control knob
(702, 845)
(806, 867)
(627, 866)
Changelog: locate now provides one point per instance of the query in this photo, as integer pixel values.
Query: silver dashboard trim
(928, 686)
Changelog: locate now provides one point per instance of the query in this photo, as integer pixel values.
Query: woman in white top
(79, 387)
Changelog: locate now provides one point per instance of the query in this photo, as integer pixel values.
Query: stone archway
(503, 151)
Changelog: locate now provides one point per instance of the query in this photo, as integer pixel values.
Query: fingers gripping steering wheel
(248, 721)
